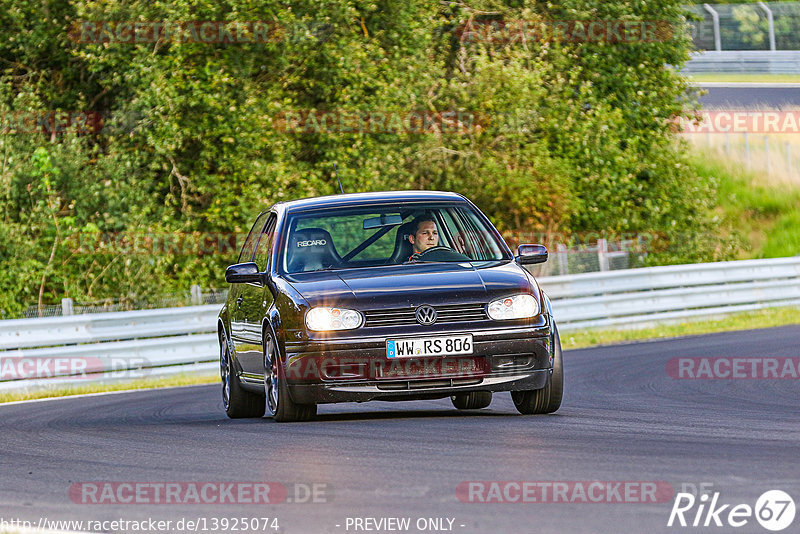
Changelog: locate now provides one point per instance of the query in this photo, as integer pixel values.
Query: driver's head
(424, 235)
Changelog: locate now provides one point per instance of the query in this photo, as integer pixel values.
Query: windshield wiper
(328, 268)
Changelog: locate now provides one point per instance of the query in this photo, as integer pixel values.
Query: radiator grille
(450, 313)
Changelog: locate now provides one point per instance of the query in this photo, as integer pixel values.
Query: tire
(547, 399)
(278, 402)
(237, 402)
(474, 400)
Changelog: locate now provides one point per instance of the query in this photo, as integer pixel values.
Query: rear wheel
(278, 403)
(547, 399)
(473, 400)
(237, 402)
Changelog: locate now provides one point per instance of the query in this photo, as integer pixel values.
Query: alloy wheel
(224, 372)
(271, 380)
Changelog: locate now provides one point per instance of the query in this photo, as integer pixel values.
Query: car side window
(477, 236)
(264, 247)
(250, 243)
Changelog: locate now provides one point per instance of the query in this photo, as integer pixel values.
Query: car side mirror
(530, 254)
(243, 273)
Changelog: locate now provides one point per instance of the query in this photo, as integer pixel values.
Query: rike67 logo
(774, 510)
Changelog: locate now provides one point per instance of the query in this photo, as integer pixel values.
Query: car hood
(399, 286)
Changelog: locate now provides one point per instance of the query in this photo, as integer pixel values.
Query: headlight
(516, 307)
(332, 319)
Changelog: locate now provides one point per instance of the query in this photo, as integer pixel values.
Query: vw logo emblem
(426, 315)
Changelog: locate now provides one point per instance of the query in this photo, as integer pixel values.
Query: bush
(573, 137)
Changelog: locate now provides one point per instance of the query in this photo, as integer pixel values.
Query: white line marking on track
(99, 393)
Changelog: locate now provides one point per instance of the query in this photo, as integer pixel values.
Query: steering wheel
(440, 253)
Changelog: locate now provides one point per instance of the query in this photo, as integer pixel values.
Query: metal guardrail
(101, 347)
(744, 61)
(655, 294)
(88, 328)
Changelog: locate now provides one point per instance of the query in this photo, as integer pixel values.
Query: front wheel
(237, 402)
(547, 399)
(278, 402)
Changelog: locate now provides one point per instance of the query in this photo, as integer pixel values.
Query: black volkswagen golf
(384, 296)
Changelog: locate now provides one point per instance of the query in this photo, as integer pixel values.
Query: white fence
(80, 349)
(639, 296)
(68, 350)
(95, 327)
(744, 61)
(753, 26)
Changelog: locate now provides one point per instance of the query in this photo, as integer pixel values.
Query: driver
(424, 236)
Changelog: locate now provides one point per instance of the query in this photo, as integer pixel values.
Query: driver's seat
(402, 246)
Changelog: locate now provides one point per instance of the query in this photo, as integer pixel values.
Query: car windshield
(394, 234)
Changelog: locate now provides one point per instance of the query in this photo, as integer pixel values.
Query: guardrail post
(715, 20)
(66, 306)
(197, 296)
(788, 159)
(561, 254)
(602, 254)
(747, 149)
(771, 22)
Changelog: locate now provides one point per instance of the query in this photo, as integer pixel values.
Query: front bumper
(357, 369)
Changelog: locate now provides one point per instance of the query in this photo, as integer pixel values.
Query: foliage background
(580, 137)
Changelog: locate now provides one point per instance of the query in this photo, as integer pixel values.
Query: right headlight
(322, 319)
(516, 307)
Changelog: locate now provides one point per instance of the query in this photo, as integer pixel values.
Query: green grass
(144, 383)
(766, 216)
(752, 78)
(784, 237)
(740, 321)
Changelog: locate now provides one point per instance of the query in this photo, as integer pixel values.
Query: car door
(253, 301)
(240, 337)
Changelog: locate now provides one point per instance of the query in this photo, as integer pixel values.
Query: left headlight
(516, 307)
(322, 319)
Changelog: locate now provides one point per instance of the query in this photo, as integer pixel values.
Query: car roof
(364, 199)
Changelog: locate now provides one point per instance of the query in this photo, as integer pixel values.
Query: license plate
(429, 346)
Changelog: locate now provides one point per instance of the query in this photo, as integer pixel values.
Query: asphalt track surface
(750, 97)
(623, 419)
